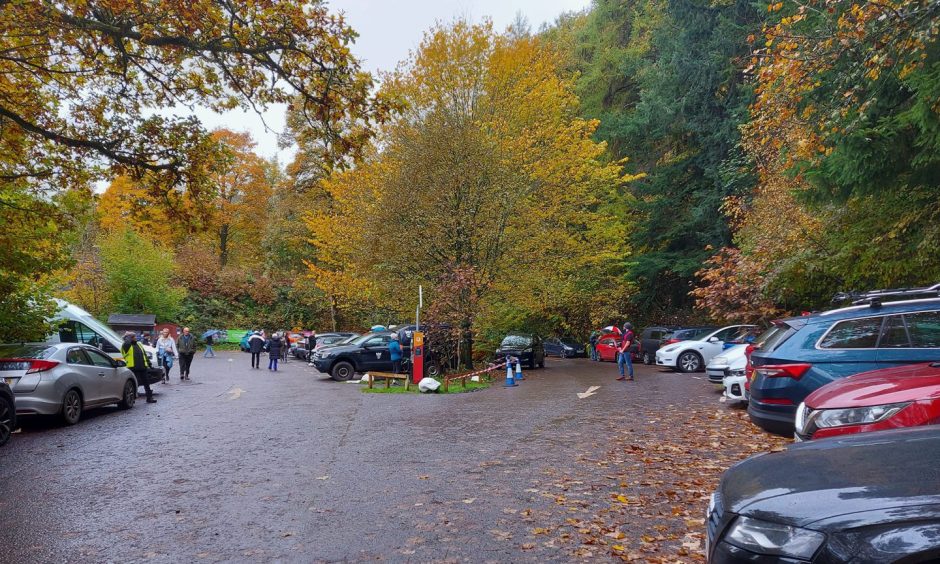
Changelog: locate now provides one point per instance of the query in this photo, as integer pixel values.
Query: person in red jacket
(623, 352)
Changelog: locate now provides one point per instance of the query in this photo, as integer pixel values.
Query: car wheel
(564, 354)
(129, 398)
(689, 361)
(72, 407)
(7, 420)
(647, 358)
(343, 371)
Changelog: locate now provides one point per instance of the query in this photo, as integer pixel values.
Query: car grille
(712, 520)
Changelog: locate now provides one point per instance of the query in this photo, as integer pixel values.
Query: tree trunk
(333, 312)
(223, 244)
(467, 349)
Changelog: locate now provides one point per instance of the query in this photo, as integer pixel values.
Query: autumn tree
(487, 177)
(138, 275)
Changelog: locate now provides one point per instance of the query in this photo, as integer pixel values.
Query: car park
(694, 354)
(64, 379)
(564, 347)
(527, 347)
(903, 396)
(647, 343)
(813, 350)
(868, 497)
(7, 413)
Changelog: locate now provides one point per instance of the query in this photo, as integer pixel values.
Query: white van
(75, 325)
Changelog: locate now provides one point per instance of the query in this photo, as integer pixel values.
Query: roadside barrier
(485, 373)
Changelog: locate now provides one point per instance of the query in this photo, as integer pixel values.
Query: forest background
(661, 161)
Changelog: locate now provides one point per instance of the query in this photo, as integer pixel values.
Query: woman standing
(274, 352)
(166, 352)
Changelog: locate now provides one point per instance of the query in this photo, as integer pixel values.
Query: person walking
(255, 346)
(209, 352)
(187, 350)
(311, 346)
(166, 352)
(623, 356)
(274, 351)
(136, 360)
(593, 344)
(394, 352)
(285, 350)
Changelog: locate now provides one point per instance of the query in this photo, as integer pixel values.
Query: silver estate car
(64, 379)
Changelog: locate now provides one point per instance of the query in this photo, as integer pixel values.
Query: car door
(88, 375)
(374, 354)
(607, 348)
(110, 378)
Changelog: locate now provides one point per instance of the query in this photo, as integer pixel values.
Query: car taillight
(795, 371)
(37, 366)
(777, 401)
(670, 341)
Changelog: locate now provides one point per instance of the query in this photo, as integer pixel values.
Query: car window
(99, 359)
(77, 356)
(894, 333)
(26, 351)
(772, 337)
(729, 333)
(378, 341)
(609, 342)
(924, 328)
(656, 335)
(853, 334)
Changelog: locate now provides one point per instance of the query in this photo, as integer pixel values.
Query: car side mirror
(120, 363)
(714, 340)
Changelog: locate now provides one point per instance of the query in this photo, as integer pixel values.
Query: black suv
(7, 413)
(370, 352)
(648, 343)
(527, 347)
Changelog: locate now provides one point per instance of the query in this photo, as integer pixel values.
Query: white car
(735, 389)
(693, 356)
(730, 361)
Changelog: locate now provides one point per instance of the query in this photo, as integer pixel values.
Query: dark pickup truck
(370, 352)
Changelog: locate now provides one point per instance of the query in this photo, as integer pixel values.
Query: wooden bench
(389, 376)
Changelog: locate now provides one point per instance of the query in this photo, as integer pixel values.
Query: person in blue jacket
(394, 352)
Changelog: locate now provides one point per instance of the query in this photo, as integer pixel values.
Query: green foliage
(138, 275)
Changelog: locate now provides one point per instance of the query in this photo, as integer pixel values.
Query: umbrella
(377, 328)
(209, 333)
(610, 329)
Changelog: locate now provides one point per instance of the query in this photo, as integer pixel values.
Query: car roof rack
(875, 298)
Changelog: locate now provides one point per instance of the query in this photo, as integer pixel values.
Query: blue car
(799, 355)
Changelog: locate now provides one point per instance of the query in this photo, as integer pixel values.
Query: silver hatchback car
(64, 379)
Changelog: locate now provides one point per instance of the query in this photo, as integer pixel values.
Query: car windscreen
(516, 341)
(689, 334)
(38, 351)
(362, 339)
(570, 342)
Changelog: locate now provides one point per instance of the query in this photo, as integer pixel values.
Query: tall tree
(139, 276)
(486, 184)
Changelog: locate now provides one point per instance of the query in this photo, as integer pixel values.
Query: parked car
(680, 334)
(731, 361)
(299, 348)
(694, 354)
(7, 413)
(564, 347)
(811, 351)
(735, 387)
(860, 498)
(365, 353)
(527, 347)
(647, 343)
(65, 379)
(607, 345)
(903, 396)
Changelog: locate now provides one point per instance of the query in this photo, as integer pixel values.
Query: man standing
(394, 352)
(187, 350)
(255, 346)
(623, 356)
(593, 341)
(311, 346)
(136, 359)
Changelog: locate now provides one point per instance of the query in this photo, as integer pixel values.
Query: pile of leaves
(640, 492)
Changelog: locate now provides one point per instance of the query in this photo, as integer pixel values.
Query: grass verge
(455, 388)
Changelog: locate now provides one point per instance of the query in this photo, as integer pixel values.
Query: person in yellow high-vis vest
(136, 360)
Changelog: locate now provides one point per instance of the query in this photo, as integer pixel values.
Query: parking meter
(417, 356)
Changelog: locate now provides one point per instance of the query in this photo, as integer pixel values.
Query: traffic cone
(519, 370)
(510, 380)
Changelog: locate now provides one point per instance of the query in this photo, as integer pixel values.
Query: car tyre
(129, 397)
(564, 354)
(72, 407)
(7, 420)
(689, 361)
(342, 372)
(647, 358)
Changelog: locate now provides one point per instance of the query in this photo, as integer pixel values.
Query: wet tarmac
(250, 465)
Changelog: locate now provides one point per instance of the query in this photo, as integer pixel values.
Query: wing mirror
(120, 363)
(714, 340)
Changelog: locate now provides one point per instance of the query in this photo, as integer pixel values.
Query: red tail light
(671, 341)
(777, 401)
(37, 366)
(795, 371)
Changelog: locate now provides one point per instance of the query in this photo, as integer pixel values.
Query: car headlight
(739, 372)
(764, 537)
(825, 418)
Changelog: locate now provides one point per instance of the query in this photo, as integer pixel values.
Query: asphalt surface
(250, 465)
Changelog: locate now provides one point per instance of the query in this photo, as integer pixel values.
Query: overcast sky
(388, 29)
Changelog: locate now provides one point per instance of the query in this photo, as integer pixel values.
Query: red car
(607, 346)
(903, 396)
